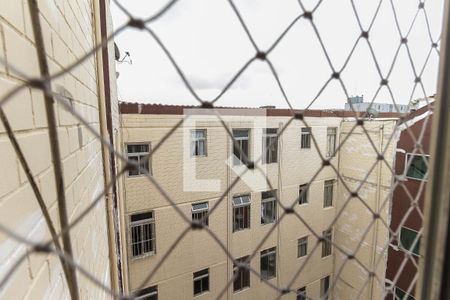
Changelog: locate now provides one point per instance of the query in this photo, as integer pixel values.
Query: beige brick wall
(69, 32)
(352, 230)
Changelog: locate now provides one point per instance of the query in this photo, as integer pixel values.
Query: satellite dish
(116, 51)
(372, 112)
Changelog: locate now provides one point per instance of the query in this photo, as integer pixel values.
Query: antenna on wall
(126, 58)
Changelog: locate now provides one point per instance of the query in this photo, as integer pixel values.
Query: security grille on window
(241, 212)
(142, 228)
(324, 286)
(306, 138)
(150, 293)
(198, 142)
(302, 246)
(240, 148)
(401, 294)
(303, 194)
(409, 240)
(241, 275)
(268, 263)
(326, 243)
(138, 153)
(200, 212)
(331, 141)
(268, 207)
(301, 293)
(270, 145)
(418, 167)
(328, 193)
(201, 282)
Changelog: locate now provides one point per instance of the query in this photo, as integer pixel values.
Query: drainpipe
(104, 96)
(376, 208)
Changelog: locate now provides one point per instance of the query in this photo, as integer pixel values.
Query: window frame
(400, 244)
(267, 157)
(406, 165)
(150, 291)
(303, 241)
(238, 160)
(200, 278)
(139, 154)
(201, 212)
(406, 296)
(305, 138)
(303, 200)
(273, 202)
(241, 207)
(243, 273)
(330, 153)
(266, 253)
(141, 223)
(195, 140)
(326, 184)
(324, 291)
(327, 245)
(301, 293)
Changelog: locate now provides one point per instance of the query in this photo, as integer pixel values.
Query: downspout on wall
(105, 117)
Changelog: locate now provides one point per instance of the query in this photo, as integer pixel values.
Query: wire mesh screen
(382, 252)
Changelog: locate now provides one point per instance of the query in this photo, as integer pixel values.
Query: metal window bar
(137, 154)
(142, 235)
(328, 191)
(305, 142)
(241, 274)
(200, 212)
(327, 242)
(241, 145)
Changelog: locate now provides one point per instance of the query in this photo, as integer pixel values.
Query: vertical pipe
(437, 196)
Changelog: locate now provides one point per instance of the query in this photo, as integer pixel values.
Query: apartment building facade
(411, 167)
(194, 171)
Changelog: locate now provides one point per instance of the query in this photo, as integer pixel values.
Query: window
(198, 142)
(401, 294)
(200, 212)
(301, 293)
(150, 293)
(408, 240)
(240, 148)
(328, 193)
(138, 153)
(142, 228)
(418, 167)
(268, 207)
(268, 263)
(241, 212)
(324, 286)
(302, 247)
(306, 138)
(241, 275)
(303, 194)
(270, 145)
(201, 282)
(326, 243)
(331, 141)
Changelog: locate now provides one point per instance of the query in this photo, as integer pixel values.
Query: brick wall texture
(69, 32)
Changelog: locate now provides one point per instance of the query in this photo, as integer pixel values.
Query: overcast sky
(210, 46)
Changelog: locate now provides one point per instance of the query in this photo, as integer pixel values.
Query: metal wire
(64, 252)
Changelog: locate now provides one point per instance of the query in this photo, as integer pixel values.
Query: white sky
(210, 46)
